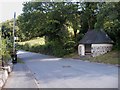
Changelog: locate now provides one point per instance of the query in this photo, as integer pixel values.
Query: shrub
(4, 50)
(69, 47)
(26, 46)
(52, 48)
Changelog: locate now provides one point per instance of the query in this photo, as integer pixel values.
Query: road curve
(53, 72)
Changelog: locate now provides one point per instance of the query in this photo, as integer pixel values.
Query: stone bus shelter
(95, 43)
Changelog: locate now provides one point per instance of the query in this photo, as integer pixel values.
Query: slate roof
(96, 37)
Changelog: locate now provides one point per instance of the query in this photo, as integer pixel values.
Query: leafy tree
(44, 19)
(52, 19)
(88, 15)
(32, 21)
(4, 52)
(108, 19)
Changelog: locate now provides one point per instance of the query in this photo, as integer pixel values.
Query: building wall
(99, 49)
(81, 49)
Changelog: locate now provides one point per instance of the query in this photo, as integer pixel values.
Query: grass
(108, 58)
(35, 41)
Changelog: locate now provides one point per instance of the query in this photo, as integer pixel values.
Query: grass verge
(112, 57)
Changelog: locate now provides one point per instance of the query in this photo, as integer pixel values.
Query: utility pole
(14, 54)
(14, 32)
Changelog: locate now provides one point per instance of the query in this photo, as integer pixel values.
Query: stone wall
(99, 49)
(4, 74)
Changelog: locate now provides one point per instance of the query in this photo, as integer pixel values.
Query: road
(51, 72)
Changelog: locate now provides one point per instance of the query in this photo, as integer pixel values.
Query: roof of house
(95, 37)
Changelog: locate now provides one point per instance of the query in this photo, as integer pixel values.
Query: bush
(69, 47)
(4, 50)
(52, 48)
(27, 46)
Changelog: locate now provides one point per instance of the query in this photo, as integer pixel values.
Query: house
(95, 43)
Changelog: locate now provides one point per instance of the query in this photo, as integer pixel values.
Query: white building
(94, 43)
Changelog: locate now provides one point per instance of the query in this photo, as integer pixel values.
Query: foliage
(88, 16)
(108, 19)
(51, 48)
(4, 52)
(8, 28)
(52, 20)
(69, 47)
(46, 19)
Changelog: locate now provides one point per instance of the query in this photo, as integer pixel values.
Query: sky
(8, 7)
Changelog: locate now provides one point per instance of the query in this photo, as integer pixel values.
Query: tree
(88, 16)
(45, 19)
(52, 19)
(108, 19)
(31, 22)
(4, 52)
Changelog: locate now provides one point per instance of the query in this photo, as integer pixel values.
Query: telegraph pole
(14, 54)
(14, 32)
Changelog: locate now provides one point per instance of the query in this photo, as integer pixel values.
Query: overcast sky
(8, 7)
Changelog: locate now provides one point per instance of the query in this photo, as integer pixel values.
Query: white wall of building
(96, 49)
(81, 49)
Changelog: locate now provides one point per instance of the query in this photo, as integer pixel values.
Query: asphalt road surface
(50, 72)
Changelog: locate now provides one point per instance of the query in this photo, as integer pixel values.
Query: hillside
(35, 41)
